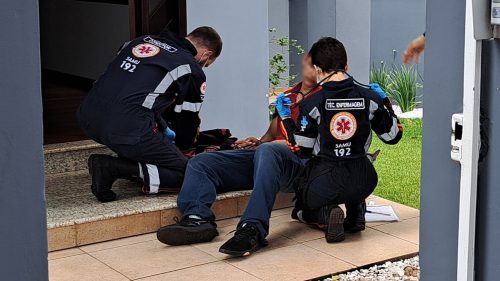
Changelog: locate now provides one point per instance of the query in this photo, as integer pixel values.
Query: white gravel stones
(403, 270)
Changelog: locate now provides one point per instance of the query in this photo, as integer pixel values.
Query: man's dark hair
(329, 54)
(207, 37)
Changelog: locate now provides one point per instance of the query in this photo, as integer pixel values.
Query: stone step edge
(71, 146)
(169, 203)
(76, 235)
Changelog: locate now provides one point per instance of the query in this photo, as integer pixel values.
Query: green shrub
(401, 83)
(403, 87)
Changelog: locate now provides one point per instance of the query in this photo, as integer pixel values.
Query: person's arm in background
(414, 50)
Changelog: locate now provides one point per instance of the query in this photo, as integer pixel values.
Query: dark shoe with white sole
(245, 241)
(187, 231)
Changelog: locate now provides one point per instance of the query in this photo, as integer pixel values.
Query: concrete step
(76, 218)
(70, 156)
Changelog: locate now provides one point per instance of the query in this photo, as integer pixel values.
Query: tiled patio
(296, 252)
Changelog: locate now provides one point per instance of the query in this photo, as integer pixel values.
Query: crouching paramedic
(336, 128)
(150, 77)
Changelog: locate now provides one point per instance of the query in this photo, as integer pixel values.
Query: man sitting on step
(267, 165)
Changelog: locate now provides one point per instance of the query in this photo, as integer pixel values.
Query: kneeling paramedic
(148, 98)
(334, 128)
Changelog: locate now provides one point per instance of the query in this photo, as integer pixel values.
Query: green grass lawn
(398, 166)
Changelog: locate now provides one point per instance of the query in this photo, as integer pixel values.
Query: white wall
(353, 26)
(237, 83)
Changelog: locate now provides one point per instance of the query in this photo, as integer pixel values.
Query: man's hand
(170, 134)
(414, 50)
(248, 143)
(283, 105)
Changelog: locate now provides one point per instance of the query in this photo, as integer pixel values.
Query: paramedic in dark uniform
(145, 107)
(334, 127)
(337, 129)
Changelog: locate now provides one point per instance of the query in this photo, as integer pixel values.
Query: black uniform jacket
(149, 75)
(337, 122)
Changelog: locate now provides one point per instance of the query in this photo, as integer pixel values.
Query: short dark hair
(329, 54)
(207, 37)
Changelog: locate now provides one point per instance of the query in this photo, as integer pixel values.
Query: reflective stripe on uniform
(392, 134)
(188, 106)
(373, 108)
(165, 83)
(314, 113)
(305, 141)
(154, 179)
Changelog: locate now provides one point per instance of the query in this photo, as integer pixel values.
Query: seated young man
(210, 173)
(335, 127)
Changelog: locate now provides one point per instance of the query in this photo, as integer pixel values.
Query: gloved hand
(375, 87)
(283, 105)
(170, 134)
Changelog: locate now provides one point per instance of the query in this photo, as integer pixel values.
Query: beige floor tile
(367, 247)
(151, 258)
(118, 243)
(281, 212)
(296, 262)
(61, 238)
(297, 231)
(81, 268)
(65, 253)
(208, 272)
(105, 230)
(225, 233)
(407, 230)
(228, 222)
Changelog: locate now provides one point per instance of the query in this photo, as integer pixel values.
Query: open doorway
(78, 40)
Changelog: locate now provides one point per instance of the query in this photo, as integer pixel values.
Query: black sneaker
(187, 231)
(246, 240)
(355, 219)
(334, 231)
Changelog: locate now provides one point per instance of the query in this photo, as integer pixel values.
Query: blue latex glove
(170, 134)
(375, 87)
(283, 105)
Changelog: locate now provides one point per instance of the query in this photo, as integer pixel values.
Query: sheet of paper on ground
(380, 213)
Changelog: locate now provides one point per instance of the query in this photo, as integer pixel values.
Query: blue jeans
(268, 169)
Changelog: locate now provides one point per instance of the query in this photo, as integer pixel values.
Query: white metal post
(470, 150)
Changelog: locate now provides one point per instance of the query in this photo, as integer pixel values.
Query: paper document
(380, 213)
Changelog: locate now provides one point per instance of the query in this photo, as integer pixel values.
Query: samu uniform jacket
(335, 128)
(149, 75)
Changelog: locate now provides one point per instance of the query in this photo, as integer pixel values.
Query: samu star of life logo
(145, 50)
(343, 126)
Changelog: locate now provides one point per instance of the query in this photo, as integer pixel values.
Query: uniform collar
(181, 41)
(335, 85)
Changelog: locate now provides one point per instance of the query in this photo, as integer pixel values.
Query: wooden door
(154, 16)
(62, 93)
